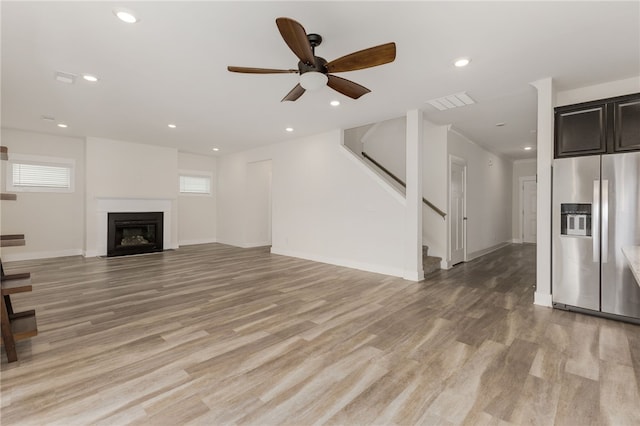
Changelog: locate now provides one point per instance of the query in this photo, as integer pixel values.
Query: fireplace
(134, 233)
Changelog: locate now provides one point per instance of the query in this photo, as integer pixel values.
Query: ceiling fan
(315, 71)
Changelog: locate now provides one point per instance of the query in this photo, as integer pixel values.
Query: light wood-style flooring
(217, 335)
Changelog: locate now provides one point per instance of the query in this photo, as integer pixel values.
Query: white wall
(385, 143)
(521, 168)
(53, 223)
(258, 201)
(489, 202)
(434, 188)
(130, 172)
(197, 213)
(326, 205)
(599, 91)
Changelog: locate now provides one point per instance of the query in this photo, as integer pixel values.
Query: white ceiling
(171, 66)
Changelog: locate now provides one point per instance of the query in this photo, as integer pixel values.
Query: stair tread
(16, 285)
(24, 326)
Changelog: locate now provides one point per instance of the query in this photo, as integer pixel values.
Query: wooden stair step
(16, 283)
(12, 240)
(24, 325)
(5, 196)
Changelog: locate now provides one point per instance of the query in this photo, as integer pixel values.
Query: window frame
(196, 174)
(37, 160)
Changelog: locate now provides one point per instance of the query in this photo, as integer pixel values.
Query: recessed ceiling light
(64, 126)
(334, 103)
(90, 78)
(528, 148)
(216, 149)
(289, 129)
(173, 126)
(125, 16)
(500, 124)
(462, 62)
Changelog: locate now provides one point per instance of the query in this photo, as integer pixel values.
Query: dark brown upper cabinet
(627, 125)
(598, 127)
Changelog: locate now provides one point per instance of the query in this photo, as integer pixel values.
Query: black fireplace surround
(134, 233)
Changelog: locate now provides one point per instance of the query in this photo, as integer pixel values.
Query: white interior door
(457, 210)
(529, 202)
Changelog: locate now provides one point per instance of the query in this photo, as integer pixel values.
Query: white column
(413, 223)
(546, 102)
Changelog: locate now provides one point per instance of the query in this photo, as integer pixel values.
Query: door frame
(521, 182)
(461, 162)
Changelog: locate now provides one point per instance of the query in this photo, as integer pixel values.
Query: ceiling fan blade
(294, 94)
(347, 87)
(248, 70)
(366, 58)
(295, 36)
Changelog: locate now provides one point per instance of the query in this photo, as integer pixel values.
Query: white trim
(479, 253)
(259, 244)
(14, 257)
(521, 182)
(542, 299)
(369, 267)
(516, 241)
(194, 242)
(445, 264)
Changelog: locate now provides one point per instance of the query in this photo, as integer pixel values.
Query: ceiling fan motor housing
(319, 66)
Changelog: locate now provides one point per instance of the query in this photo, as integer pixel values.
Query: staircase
(15, 325)
(429, 263)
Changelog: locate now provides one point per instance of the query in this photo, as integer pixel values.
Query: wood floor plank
(214, 334)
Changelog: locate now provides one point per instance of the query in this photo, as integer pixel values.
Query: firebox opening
(134, 233)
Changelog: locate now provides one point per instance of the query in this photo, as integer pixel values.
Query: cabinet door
(581, 131)
(627, 125)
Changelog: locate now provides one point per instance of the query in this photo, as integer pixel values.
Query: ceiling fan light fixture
(313, 80)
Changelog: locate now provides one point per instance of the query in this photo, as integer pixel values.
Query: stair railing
(404, 185)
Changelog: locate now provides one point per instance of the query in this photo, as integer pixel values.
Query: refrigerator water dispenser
(575, 219)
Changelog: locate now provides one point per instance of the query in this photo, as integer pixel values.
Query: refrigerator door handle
(595, 221)
(605, 221)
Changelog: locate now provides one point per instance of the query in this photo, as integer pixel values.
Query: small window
(39, 174)
(193, 183)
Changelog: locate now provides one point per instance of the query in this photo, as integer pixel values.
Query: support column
(546, 102)
(413, 218)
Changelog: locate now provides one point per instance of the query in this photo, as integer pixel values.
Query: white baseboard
(542, 299)
(478, 253)
(196, 241)
(15, 257)
(445, 264)
(414, 275)
(363, 266)
(260, 244)
(516, 241)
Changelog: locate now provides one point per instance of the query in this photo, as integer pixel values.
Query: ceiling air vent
(452, 101)
(65, 77)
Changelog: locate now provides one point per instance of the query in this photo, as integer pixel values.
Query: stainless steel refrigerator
(596, 212)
